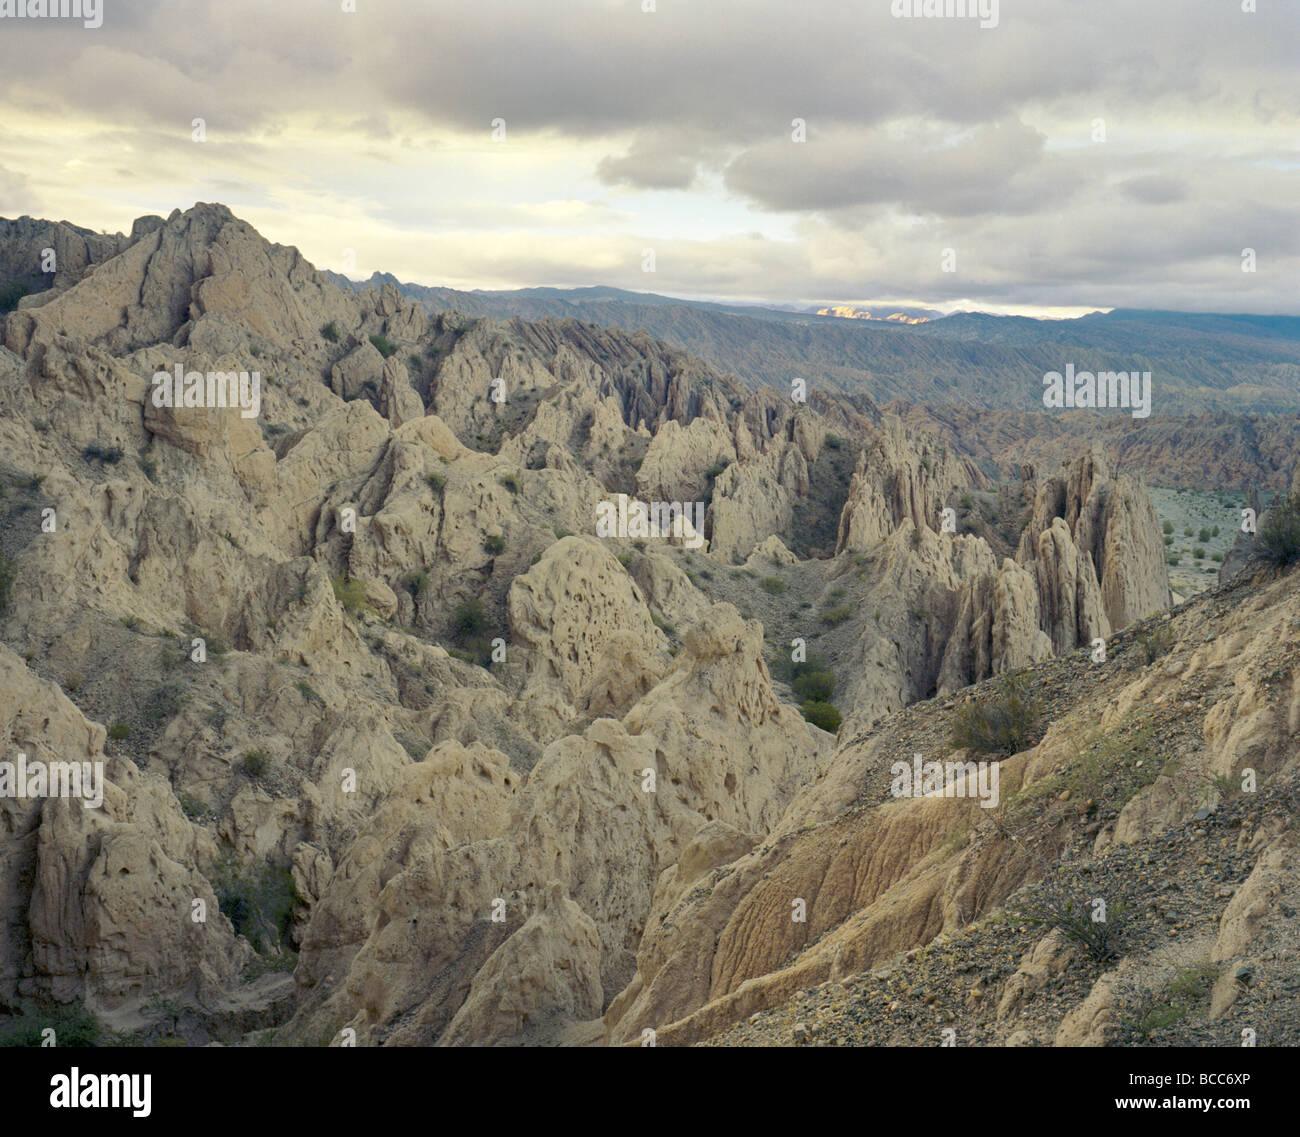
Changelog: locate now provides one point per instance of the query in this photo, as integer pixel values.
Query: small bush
(417, 583)
(823, 715)
(8, 570)
(468, 621)
(835, 616)
(1198, 553)
(1002, 723)
(1167, 527)
(98, 452)
(1204, 534)
(164, 703)
(73, 1025)
(1279, 536)
(193, 807)
(10, 295)
(331, 332)
(119, 732)
(383, 344)
(149, 465)
(1155, 642)
(308, 692)
(494, 545)
(258, 901)
(350, 593)
(1054, 907)
(813, 686)
(255, 763)
(510, 482)
(773, 585)
(435, 482)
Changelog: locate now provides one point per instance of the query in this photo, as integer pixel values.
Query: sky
(1077, 155)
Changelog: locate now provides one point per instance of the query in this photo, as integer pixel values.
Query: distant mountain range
(1199, 362)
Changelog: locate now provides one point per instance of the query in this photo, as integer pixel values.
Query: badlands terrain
(401, 750)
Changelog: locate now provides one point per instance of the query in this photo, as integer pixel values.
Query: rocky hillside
(403, 745)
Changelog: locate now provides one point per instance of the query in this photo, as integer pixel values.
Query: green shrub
(1204, 534)
(257, 900)
(1155, 642)
(8, 570)
(813, 686)
(193, 807)
(308, 692)
(1168, 527)
(331, 332)
(73, 1025)
(1279, 536)
(10, 295)
(510, 482)
(417, 583)
(383, 344)
(164, 703)
(149, 465)
(773, 585)
(494, 545)
(98, 452)
(350, 593)
(1001, 723)
(834, 441)
(1052, 906)
(468, 620)
(255, 763)
(435, 482)
(823, 715)
(834, 616)
(1198, 553)
(119, 732)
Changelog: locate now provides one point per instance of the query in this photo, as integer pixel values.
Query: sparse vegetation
(330, 332)
(773, 585)
(435, 482)
(73, 1025)
(258, 900)
(1077, 918)
(1155, 641)
(494, 544)
(1279, 537)
(417, 583)
(350, 593)
(119, 732)
(823, 715)
(1001, 723)
(8, 570)
(98, 452)
(835, 616)
(255, 763)
(383, 344)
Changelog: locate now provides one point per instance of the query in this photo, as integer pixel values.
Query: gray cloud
(922, 135)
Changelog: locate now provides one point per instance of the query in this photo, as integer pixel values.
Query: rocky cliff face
(433, 758)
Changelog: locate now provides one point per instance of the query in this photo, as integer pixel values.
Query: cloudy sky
(1081, 154)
